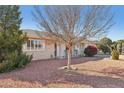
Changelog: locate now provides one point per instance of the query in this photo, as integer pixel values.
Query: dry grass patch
(67, 85)
(9, 83)
(104, 67)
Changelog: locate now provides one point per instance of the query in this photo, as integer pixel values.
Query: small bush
(114, 52)
(90, 50)
(115, 55)
(14, 60)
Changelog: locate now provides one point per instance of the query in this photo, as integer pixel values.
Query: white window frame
(35, 49)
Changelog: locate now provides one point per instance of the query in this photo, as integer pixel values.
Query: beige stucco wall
(46, 53)
(61, 50)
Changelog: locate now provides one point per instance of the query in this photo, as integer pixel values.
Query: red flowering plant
(90, 50)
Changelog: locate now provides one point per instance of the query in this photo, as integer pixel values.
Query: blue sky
(115, 33)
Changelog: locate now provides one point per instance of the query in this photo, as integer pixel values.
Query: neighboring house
(42, 47)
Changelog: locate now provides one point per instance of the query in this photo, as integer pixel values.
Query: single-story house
(42, 47)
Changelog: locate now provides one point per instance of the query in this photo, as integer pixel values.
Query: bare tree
(73, 24)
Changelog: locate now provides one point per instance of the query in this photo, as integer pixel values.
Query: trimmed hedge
(90, 50)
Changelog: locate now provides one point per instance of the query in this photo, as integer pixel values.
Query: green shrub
(24, 60)
(14, 60)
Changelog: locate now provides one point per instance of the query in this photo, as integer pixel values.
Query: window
(35, 45)
(28, 44)
(32, 44)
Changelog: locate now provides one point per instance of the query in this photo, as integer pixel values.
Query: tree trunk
(69, 59)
